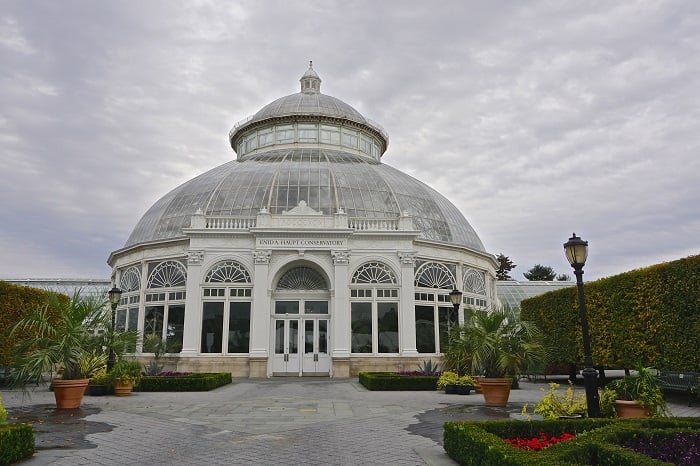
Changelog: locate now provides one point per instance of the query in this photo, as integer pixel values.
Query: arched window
(374, 272)
(168, 274)
(130, 280)
(435, 275)
(302, 278)
(374, 310)
(127, 315)
(164, 311)
(433, 312)
(227, 272)
(474, 281)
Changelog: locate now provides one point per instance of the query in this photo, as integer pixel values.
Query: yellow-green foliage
(3, 413)
(554, 404)
(648, 316)
(15, 303)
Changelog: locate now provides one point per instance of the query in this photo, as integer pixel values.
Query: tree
(564, 277)
(505, 265)
(540, 273)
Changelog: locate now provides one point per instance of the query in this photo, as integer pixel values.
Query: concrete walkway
(276, 421)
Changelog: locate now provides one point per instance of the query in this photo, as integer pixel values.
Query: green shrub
(196, 382)
(15, 302)
(481, 442)
(394, 381)
(16, 443)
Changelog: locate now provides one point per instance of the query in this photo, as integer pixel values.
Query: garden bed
(394, 381)
(483, 443)
(193, 382)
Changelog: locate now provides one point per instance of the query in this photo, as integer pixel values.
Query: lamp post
(576, 252)
(115, 295)
(456, 300)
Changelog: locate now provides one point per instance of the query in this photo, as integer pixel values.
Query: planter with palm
(64, 344)
(496, 345)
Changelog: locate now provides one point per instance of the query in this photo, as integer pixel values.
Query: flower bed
(184, 382)
(540, 442)
(598, 441)
(679, 448)
(396, 381)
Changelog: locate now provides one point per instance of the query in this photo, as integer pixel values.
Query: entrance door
(285, 360)
(316, 360)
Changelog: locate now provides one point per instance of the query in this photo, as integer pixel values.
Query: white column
(407, 320)
(193, 305)
(260, 315)
(340, 317)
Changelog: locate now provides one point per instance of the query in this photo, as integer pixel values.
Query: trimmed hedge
(649, 316)
(481, 442)
(16, 443)
(15, 302)
(394, 381)
(196, 382)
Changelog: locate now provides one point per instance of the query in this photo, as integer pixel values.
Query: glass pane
(323, 336)
(120, 324)
(387, 328)
(133, 318)
(153, 321)
(279, 337)
(425, 329)
(316, 307)
(308, 336)
(176, 325)
(239, 328)
(446, 318)
(293, 336)
(287, 307)
(361, 327)
(212, 327)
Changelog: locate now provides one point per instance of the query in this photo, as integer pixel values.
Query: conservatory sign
(301, 243)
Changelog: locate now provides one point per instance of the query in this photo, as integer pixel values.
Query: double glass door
(301, 342)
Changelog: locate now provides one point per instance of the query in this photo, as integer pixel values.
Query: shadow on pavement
(430, 422)
(58, 428)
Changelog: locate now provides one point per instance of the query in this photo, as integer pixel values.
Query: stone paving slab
(270, 421)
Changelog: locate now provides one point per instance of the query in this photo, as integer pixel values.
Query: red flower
(538, 443)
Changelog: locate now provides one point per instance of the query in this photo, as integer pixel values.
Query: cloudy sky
(537, 119)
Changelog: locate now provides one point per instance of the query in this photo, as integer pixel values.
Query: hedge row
(16, 443)
(649, 316)
(393, 381)
(197, 382)
(15, 302)
(481, 442)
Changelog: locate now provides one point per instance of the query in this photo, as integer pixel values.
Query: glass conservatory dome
(312, 148)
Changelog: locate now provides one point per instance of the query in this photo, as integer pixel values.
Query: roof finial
(310, 82)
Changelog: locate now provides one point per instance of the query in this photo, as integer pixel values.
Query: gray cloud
(536, 119)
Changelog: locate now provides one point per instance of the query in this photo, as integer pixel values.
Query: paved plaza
(267, 422)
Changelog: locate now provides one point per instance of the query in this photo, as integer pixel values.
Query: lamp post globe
(576, 251)
(115, 295)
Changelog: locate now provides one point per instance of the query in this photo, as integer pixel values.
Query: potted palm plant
(635, 395)
(63, 343)
(497, 345)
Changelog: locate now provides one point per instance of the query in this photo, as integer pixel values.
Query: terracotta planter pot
(122, 389)
(477, 381)
(496, 391)
(628, 409)
(69, 393)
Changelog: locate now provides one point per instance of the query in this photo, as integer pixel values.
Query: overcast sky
(537, 119)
